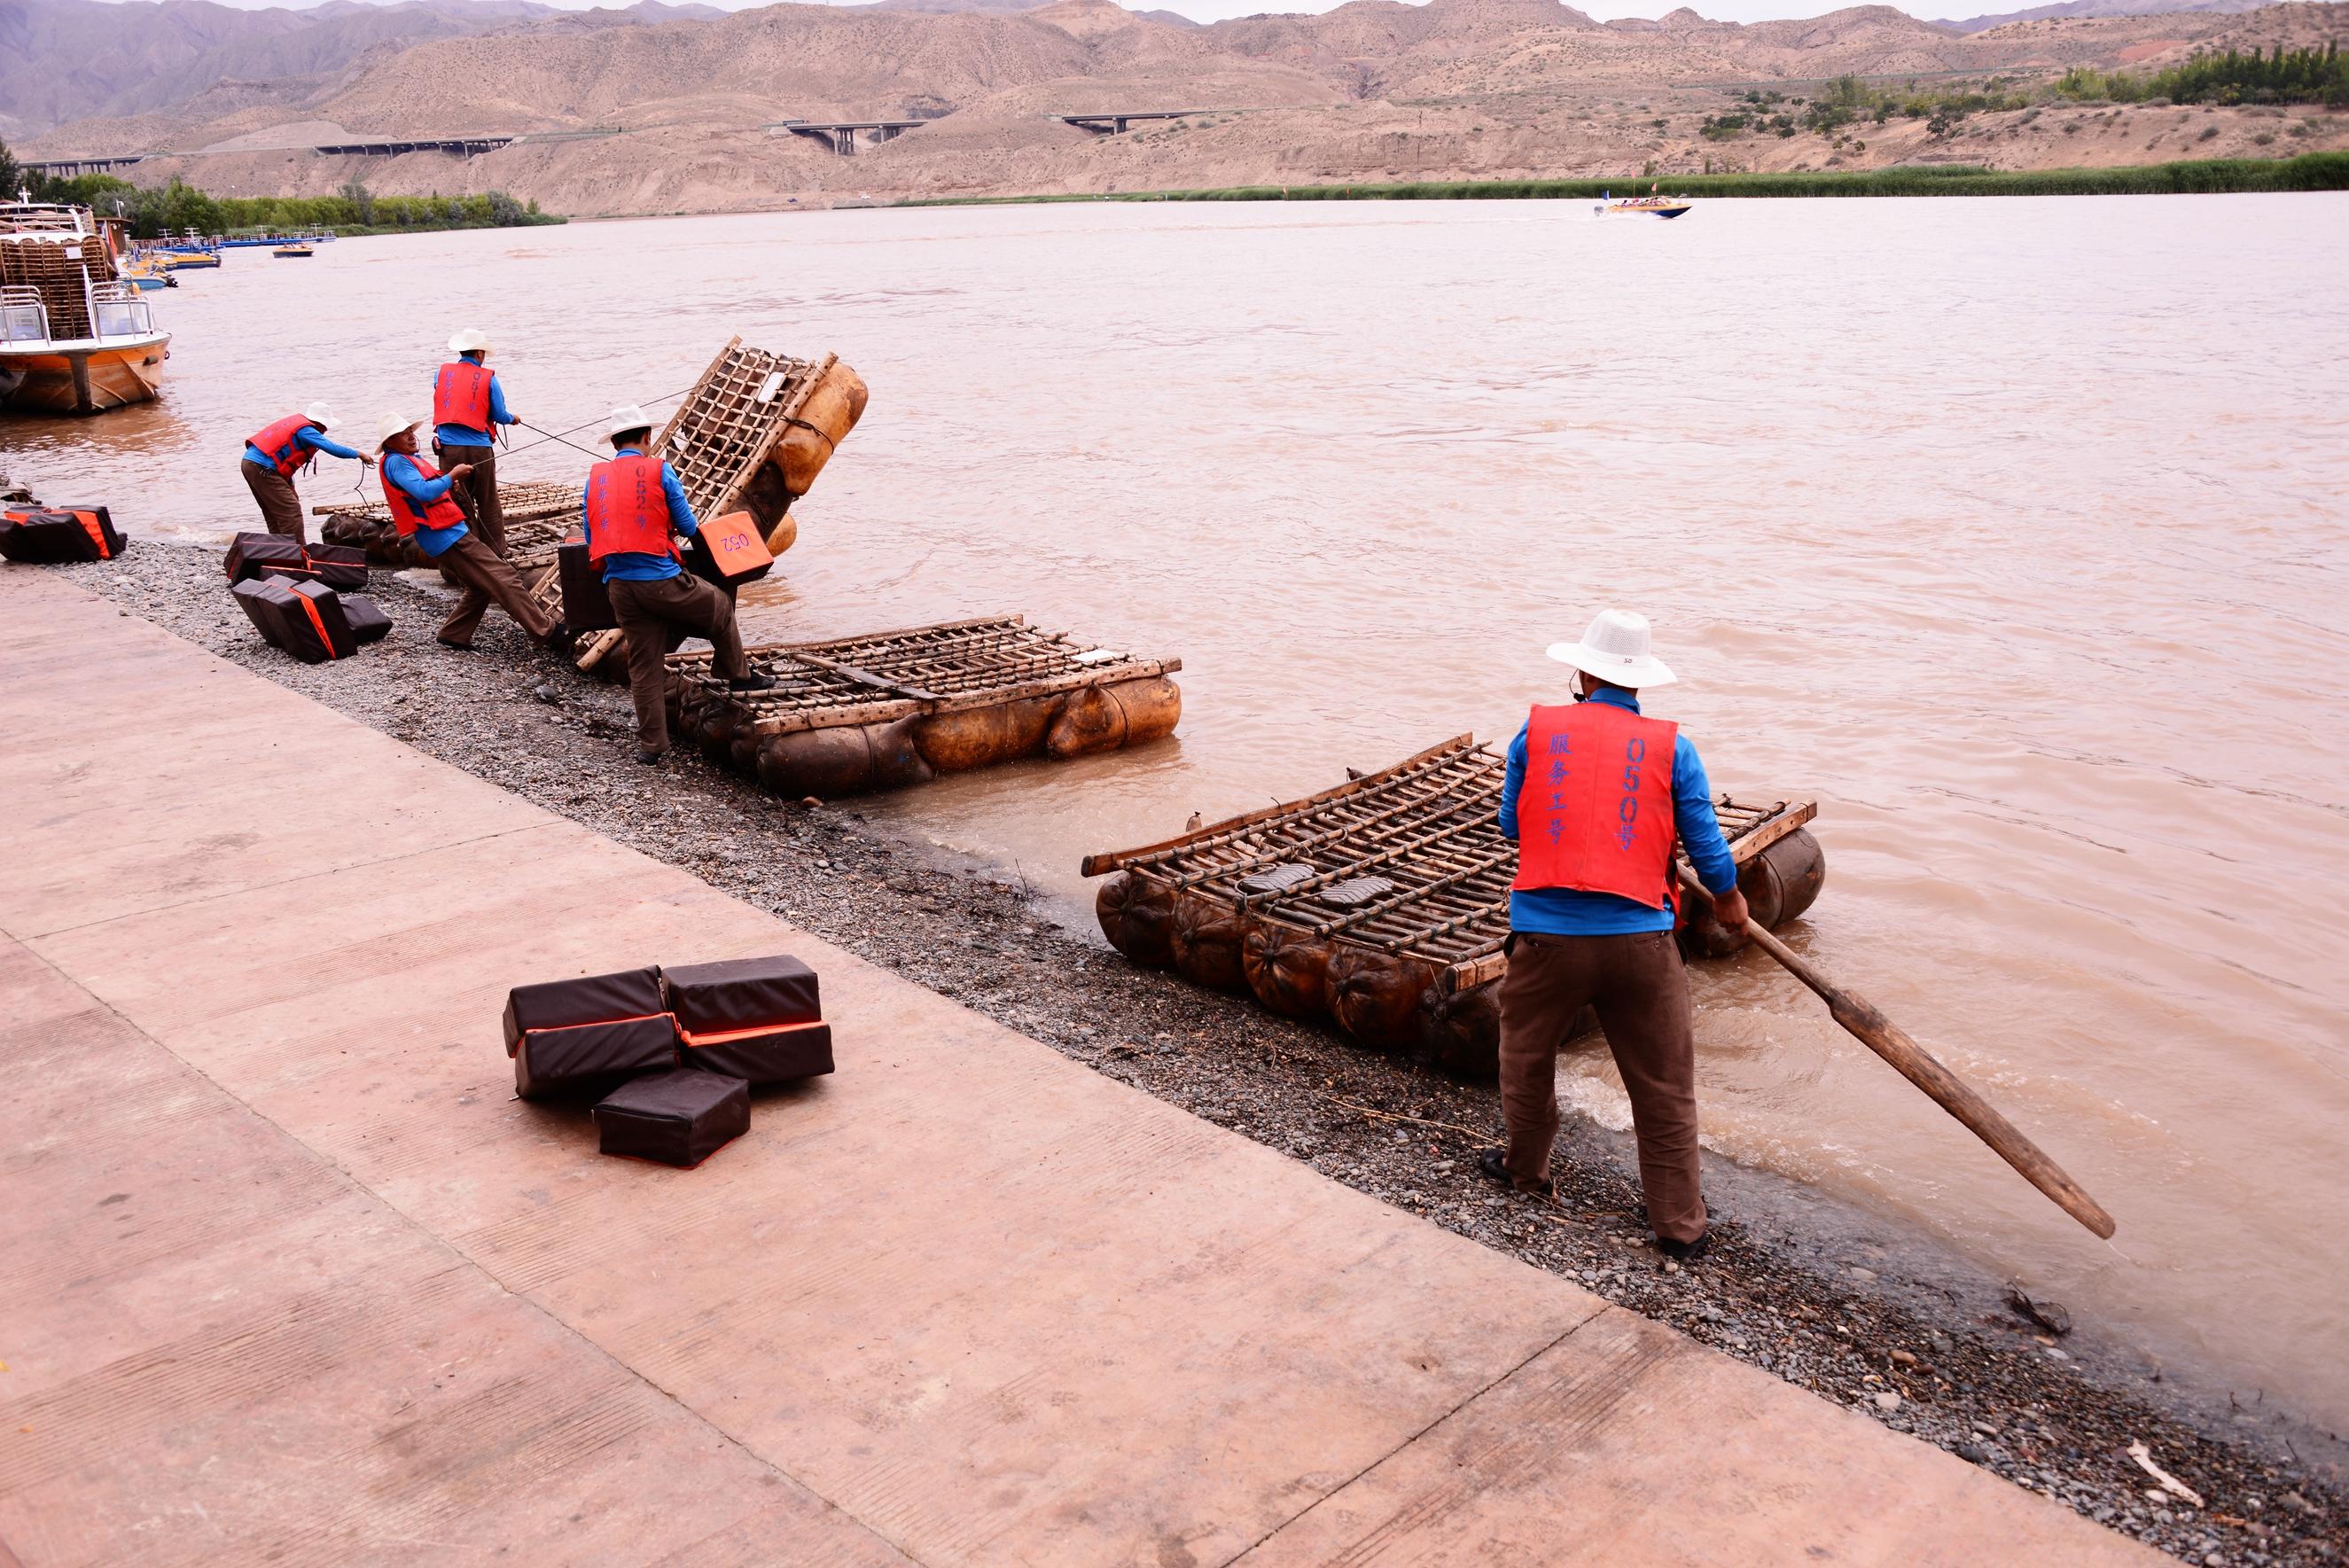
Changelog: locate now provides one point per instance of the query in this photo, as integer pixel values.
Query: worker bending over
(274, 456)
(634, 503)
(1595, 794)
(466, 401)
(421, 509)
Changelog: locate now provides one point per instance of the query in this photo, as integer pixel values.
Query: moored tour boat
(75, 336)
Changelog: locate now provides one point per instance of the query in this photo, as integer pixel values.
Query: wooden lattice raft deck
(1384, 904)
(537, 513)
(896, 708)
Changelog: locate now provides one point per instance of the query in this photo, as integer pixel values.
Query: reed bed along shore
(2309, 171)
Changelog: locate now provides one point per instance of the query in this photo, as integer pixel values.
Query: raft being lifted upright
(1383, 904)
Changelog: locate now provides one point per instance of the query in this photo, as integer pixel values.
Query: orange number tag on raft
(734, 545)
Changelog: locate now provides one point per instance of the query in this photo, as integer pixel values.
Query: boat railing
(43, 218)
(23, 317)
(117, 311)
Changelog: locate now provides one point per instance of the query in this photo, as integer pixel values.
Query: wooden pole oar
(1916, 1064)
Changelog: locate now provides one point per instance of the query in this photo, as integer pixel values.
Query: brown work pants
(485, 578)
(476, 494)
(655, 617)
(1639, 990)
(280, 508)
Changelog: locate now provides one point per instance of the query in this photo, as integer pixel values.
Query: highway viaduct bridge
(457, 146)
(840, 135)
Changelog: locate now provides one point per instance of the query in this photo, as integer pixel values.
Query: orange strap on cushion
(88, 520)
(722, 1038)
(312, 611)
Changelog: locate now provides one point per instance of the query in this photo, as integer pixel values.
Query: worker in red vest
(633, 504)
(1596, 794)
(468, 404)
(423, 510)
(281, 451)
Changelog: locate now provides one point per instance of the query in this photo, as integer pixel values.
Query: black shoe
(1495, 1163)
(1684, 1251)
(752, 682)
(455, 648)
(562, 640)
(651, 759)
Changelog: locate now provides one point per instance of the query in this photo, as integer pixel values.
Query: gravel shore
(1818, 1292)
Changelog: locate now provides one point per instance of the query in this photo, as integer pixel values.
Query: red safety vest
(278, 445)
(628, 511)
(442, 513)
(1595, 812)
(461, 396)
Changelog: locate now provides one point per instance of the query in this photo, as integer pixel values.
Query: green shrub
(2282, 76)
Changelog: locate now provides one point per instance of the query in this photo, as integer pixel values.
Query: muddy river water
(2014, 532)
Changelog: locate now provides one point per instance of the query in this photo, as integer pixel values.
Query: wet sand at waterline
(2010, 530)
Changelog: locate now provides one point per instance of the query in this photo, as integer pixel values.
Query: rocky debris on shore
(1963, 1372)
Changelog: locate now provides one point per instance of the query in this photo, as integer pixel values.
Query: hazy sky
(1216, 10)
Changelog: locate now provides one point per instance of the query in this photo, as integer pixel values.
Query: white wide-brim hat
(470, 342)
(1615, 648)
(320, 415)
(626, 418)
(391, 425)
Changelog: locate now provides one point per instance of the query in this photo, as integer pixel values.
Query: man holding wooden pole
(1596, 794)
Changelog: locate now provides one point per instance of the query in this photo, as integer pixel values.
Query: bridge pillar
(1120, 123)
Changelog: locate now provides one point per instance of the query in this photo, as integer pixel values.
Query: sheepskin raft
(752, 437)
(550, 504)
(897, 709)
(1383, 904)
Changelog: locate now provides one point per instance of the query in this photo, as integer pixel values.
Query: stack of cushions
(309, 620)
(267, 554)
(58, 535)
(668, 1054)
(755, 1018)
(289, 590)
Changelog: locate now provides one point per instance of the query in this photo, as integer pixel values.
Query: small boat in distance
(148, 273)
(1642, 206)
(75, 336)
(296, 249)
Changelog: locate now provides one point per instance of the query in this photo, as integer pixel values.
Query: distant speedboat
(295, 249)
(1642, 206)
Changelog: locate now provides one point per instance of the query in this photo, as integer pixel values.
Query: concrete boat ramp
(292, 1278)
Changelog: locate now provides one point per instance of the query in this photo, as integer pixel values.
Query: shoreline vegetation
(2308, 171)
(161, 211)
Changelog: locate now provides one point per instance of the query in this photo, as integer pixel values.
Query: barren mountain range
(651, 110)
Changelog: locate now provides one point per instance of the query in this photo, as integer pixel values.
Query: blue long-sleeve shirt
(309, 436)
(1570, 912)
(401, 469)
(634, 567)
(465, 435)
